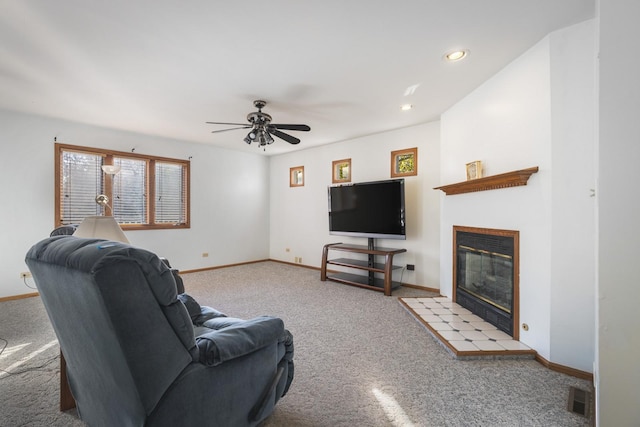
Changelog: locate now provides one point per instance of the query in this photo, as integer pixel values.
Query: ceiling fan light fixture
(261, 128)
(264, 138)
(269, 138)
(456, 55)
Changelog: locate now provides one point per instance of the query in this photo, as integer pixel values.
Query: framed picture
(341, 171)
(404, 162)
(474, 170)
(296, 176)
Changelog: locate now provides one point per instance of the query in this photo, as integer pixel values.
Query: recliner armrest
(205, 316)
(240, 339)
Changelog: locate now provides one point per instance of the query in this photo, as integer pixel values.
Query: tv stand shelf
(384, 284)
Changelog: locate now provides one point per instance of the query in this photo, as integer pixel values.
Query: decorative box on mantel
(504, 180)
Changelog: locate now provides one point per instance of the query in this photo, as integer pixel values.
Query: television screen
(368, 209)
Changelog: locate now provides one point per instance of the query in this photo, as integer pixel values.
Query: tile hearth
(461, 332)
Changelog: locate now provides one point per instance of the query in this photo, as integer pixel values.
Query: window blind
(129, 191)
(81, 178)
(170, 206)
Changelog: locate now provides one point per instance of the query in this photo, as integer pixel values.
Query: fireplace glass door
(487, 276)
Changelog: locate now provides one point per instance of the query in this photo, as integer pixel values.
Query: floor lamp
(102, 226)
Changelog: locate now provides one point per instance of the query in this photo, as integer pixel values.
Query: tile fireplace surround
(463, 334)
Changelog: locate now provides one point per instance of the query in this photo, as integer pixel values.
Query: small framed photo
(404, 162)
(474, 170)
(341, 171)
(296, 176)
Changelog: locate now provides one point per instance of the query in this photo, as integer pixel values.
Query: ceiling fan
(262, 129)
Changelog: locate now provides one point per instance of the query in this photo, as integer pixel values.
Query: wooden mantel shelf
(504, 180)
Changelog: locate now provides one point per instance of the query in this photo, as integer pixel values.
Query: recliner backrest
(123, 332)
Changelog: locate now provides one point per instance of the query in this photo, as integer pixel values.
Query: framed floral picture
(296, 176)
(341, 171)
(404, 162)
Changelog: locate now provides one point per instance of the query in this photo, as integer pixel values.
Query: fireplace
(485, 275)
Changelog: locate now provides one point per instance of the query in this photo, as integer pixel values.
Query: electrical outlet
(205, 254)
(25, 275)
(300, 260)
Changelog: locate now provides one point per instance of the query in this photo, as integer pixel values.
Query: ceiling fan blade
(303, 128)
(224, 130)
(228, 124)
(290, 139)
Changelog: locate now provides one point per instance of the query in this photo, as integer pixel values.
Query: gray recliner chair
(139, 354)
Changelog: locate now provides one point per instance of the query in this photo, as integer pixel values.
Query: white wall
(573, 144)
(229, 196)
(523, 117)
(299, 215)
(618, 341)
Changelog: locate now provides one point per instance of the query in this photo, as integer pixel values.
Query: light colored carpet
(361, 360)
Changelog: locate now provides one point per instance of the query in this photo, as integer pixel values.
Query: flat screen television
(368, 209)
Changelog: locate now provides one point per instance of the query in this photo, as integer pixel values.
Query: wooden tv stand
(384, 284)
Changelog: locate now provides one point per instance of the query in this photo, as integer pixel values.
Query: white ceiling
(164, 67)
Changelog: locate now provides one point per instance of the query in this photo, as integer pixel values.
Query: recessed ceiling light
(456, 55)
(406, 107)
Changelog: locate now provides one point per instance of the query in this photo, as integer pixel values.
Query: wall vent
(579, 401)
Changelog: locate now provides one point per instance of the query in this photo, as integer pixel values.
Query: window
(170, 186)
(296, 176)
(404, 162)
(146, 192)
(128, 191)
(341, 171)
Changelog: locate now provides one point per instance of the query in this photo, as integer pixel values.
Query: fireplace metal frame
(515, 235)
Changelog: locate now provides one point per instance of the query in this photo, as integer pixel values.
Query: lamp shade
(111, 169)
(101, 227)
